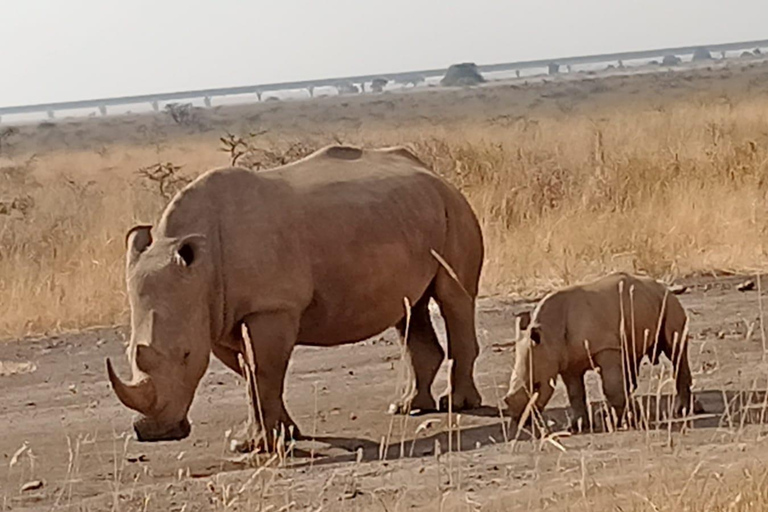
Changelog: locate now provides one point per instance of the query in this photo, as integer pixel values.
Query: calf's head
(537, 364)
(168, 282)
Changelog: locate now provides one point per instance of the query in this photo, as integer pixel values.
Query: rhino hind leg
(425, 354)
(458, 309)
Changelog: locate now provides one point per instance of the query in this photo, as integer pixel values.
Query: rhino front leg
(228, 356)
(577, 397)
(272, 336)
(615, 387)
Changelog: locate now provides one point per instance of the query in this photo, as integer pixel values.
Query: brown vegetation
(562, 195)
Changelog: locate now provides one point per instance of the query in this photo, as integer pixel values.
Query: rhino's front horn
(140, 397)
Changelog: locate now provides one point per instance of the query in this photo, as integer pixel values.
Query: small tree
(166, 176)
(181, 113)
(5, 136)
(248, 152)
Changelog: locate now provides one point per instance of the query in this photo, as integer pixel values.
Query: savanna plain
(663, 173)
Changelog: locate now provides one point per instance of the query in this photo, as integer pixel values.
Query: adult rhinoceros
(323, 251)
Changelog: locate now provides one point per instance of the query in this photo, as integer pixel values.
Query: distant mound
(701, 53)
(462, 75)
(747, 54)
(671, 60)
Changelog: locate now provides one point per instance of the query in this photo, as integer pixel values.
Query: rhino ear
(525, 319)
(188, 250)
(535, 335)
(137, 240)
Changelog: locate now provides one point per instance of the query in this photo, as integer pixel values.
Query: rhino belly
(358, 300)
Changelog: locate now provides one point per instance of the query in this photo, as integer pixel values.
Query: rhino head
(537, 364)
(167, 282)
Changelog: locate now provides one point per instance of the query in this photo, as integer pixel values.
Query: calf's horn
(140, 397)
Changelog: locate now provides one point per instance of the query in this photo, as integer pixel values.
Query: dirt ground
(65, 435)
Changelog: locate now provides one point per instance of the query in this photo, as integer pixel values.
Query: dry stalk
(499, 401)
(407, 390)
(762, 315)
(625, 364)
(250, 370)
(450, 422)
(314, 427)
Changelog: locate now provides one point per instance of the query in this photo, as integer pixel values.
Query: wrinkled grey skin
(554, 343)
(319, 252)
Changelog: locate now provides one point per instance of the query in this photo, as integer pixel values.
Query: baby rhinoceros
(579, 328)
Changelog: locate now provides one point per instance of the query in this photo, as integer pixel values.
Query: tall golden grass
(667, 191)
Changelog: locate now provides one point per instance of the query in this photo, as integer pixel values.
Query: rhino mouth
(148, 430)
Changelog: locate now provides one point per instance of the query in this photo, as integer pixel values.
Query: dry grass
(668, 191)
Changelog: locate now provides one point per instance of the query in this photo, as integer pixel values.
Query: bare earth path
(78, 443)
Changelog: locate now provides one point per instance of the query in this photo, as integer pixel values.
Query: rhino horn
(140, 397)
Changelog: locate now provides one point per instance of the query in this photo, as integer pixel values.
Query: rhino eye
(186, 356)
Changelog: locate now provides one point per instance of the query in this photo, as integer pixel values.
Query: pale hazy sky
(58, 50)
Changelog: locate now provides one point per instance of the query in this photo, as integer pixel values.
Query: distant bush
(182, 113)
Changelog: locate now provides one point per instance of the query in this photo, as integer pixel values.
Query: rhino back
(370, 220)
(594, 312)
(342, 235)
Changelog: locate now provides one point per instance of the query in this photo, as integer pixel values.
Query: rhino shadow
(723, 409)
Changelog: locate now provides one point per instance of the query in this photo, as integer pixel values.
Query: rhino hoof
(461, 402)
(579, 425)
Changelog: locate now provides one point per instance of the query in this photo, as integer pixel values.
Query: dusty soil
(80, 454)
